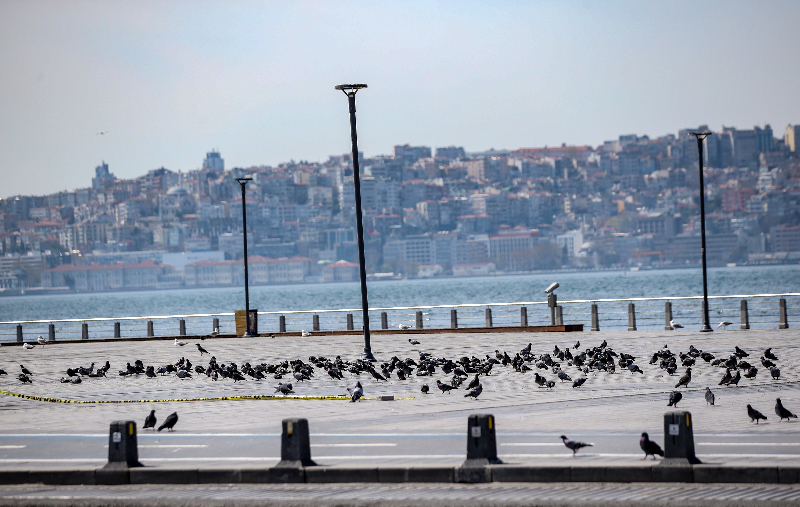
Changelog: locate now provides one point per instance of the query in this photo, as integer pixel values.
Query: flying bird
(201, 349)
(674, 398)
(709, 397)
(649, 447)
(150, 420)
(754, 414)
(169, 422)
(724, 325)
(782, 412)
(574, 445)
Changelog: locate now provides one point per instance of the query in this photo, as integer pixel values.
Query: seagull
(782, 412)
(475, 392)
(674, 398)
(674, 325)
(304, 333)
(179, 343)
(754, 414)
(201, 349)
(413, 341)
(169, 422)
(403, 327)
(649, 447)
(41, 340)
(150, 420)
(28, 346)
(214, 333)
(574, 445)
(709, 397)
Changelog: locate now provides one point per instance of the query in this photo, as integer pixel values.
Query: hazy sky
(172, 80)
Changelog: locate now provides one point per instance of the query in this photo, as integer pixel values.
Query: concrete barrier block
(679, 437)
(788, 475)
(513, 473)
(344, 474)
(122, 445)
(219, 476)
(672, 473)
(481, 440)
(154, 475)
(295, 444)
(277, 475)
(735, 474)
(416, 474)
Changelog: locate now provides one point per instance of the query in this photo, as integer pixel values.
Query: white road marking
(12, 446)
(166, 446)
(355, 445)
(750, 443)
(532, 443)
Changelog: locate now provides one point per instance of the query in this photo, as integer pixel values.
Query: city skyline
(166, 83)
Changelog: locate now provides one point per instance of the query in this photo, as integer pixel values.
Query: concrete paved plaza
(610, 410)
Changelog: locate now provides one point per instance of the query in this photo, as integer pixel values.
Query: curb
(394, 475)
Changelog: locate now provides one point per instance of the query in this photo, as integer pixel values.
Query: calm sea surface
(499, 289)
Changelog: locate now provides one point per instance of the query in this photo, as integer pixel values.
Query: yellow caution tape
(220, 398)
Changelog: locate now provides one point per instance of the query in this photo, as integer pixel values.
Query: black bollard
(85, 331)
(523, 316)
(295, 444)
(481, 450)
(215, 325)
(315, 322)
(282, 324)
(122, 447)
(667, 316)
(745, 315)
(784, 324)
(384, 320)
(488, 317)
(349, 321)
(595, 318)
(182, 327)
(679, 439)
(19, 333)
(453, 319)
(117, 333)
(51, 333)
(150, 331)
(631, 317)
(419, 319)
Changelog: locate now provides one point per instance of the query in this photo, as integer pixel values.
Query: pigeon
(775, 372)
(304, 333)
(709, 397)
(41, 340)
(649, 447)
(413, 341)
(754, 414)
(25, 370)
(475, 392)
(403, 327)
(577, 345)
(24, 378)
(563, 376)
(27, 346)
(574, 445)
(685, 379)
(740, 353)
(201, 349)
(75, 380)
(425, 389)
(578, 382)
(445, 388)
(767, 363)
(179, 343)
(357, 392)
(726, 378)
(183, 374)
(782, 412)
(674, 398)
(635, 369)
(735, 380)
(674, 325)
(284, 389)
(474, 383)
(150, 420)
(169, 422)
(751, 373)
(724, 325)
(769, 355)
(150, 372)
(3, 372)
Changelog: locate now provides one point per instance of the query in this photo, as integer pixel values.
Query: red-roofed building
(105, 277)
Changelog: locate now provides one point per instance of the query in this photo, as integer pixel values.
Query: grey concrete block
(672, 473)
(279, 475)
(344, 474)
(513, 473)
(788, 475)
(611, 473)
(416, 474)
(219, 476)
(735, 474)
(148, 475)
(472, 474)
(63, 477)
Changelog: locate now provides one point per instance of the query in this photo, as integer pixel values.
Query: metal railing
(759, 311)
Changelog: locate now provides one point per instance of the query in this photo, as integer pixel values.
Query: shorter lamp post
(700, 136)
(243, 182)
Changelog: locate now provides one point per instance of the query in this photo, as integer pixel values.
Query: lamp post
(350, 90)
(242, 183)
(700, 136)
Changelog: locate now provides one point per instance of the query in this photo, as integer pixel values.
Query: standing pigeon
(649, 447)
(635, 368)
(782, 412)
(150, 420)
(685, 379)
(445, 388)
(475, 392)
(563, 375)
(754, 414)
(725, 378)
(150, 372)
(201, 349)
(574, 445)
(425, 389)
(775, 372)
(769, 355)
(709, 397)
(284, 389)
(25, 370)
(578, 382)
(357, 392)
(474, 383)
(169, 422)
(25, 379)
(674, 398)
(735, 380)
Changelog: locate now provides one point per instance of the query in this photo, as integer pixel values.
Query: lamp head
(350, 87)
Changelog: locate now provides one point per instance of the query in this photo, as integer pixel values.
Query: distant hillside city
(631, 202)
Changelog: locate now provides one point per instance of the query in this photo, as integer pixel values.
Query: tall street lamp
(350, 90)
(700, 136)
(242, 183)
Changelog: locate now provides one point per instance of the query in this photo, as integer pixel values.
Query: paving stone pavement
(608, 404)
